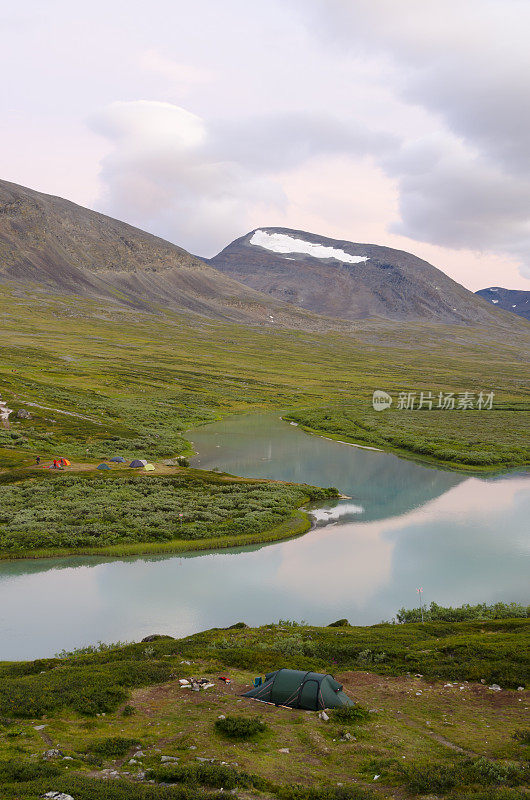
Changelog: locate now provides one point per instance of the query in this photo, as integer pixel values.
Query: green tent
(299, 689)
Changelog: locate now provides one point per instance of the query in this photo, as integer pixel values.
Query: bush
(463, 613)
(461, 772)
(240, 727)
(22, 771)
(214, 775)
(522, 736)
(350, 715)
(340, 623)
(111, 747)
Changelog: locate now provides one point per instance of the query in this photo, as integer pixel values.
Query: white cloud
(201, 184)
(466, 64)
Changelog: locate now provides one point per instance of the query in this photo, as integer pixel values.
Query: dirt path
(437, 737)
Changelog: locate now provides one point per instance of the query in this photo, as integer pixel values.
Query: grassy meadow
(106, 381)
(116, 723)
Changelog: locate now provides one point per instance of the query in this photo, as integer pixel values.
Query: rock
(23, 414)
(154, 637)
(168, 759)
(323, 716)
(139, 754)
(221, 716)
(284, 750)
(52, 753)
(495, 687)
(67, 758)
(520, 688)
(58, 796)
(133, 761)
(203, 760)
(39, 727)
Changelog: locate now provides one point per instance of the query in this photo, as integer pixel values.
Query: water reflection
(463, 539)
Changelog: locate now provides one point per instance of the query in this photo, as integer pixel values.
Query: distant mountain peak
(348, 280)
(517, 301)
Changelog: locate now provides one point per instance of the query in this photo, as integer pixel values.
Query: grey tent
(299, 689)
(118, 459)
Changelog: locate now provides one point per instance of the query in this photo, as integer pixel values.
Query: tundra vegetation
(61, 513)
(439, 713)
(98, 381)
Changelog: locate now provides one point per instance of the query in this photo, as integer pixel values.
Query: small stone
(168, 759)
(53, 753)
(221, 716)
(139, 754)
(520, 688)
(67, 758)
(284, 750)
(495, 687)
(323, 716)
(133, 761)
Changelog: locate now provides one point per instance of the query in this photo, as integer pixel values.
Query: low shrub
(240, 727)
(22, 771)
(350, 715)
(215, 775)
(460, 773)
(522, 736)
(340, 623)
(111, 747)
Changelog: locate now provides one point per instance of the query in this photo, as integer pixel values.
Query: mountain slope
(50, 244)
(515, 300)
(348, 280)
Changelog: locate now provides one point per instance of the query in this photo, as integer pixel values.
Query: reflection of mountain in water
(265, 447)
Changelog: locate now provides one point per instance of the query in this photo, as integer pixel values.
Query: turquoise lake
(463, 539)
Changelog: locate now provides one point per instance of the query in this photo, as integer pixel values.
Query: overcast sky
(400, 123)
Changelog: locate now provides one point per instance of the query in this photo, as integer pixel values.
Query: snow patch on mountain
(282, 243)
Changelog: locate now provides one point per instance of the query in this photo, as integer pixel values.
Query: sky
(404, 123)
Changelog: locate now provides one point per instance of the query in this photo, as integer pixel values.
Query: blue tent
(136, 463)
(102, 466)
(118, 459)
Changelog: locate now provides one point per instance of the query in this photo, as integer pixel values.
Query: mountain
(515, 300)
(348, 280)
(48, 244)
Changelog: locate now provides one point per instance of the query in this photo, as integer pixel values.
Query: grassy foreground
(118, 724)
(119, 513)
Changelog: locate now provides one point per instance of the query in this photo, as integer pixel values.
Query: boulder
(23, 414)
(154, 637)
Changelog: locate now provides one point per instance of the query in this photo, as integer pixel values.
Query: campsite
(434, 729)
